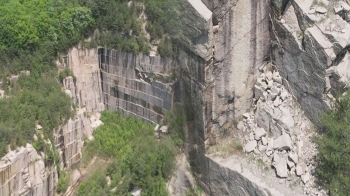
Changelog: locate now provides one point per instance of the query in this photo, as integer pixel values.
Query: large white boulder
(250, 146)
(280, 164)
(283, 142)
(258, 133)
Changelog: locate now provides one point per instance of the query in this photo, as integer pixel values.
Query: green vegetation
(63, 182)
(176, 119)
(333, 169)
(65, 73)
(139, 160)
(32, 100)
(120, 27)
(165, 47)
(32, 32)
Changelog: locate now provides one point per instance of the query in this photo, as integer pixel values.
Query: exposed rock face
(241, 44)
(224, 46)
(234, 177)
(23, 172)
(128, 84)
(197, 28)
(69, 141)
(307, 46)
(85, 66)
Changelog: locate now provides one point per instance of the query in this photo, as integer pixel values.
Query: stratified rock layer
(23, 172)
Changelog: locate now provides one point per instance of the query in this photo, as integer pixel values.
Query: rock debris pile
(278, 132)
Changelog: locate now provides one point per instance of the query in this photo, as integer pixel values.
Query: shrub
(139, 160)
(333, 168)
(63, 182)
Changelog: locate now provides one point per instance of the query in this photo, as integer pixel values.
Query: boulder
(164, 129)
(251, 136)
(277, 102)
(268, 152)
(305, 178)
(277, 78)
(259, 92)
(283, 142)
(270, 144)
(290, 164)
(269, 84)
(344, 6)
(321, 10)
(264, 141)
(262, 148)
(258, 133)
(240, 125)
(280, 164)
(275, 91)
(250, 146)
(293, 157)
(299, 170)
(156, 128)
(284, 95)
(269, 75)
(96, 124)
(261, 83)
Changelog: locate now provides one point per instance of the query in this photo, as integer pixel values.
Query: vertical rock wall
(308, 48)
(241, 45)
(129, 85)
(85, 66)
(23, 172)
(69, 141)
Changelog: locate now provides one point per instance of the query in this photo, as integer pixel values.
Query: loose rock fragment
(258, 133)
(283, 142)
(250, 146)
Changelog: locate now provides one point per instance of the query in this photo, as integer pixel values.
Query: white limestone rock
(321, 10)
(259, 92)
(280, 164)
(284, 95)
(290, 164)
(164, 129)
(306, 177)
(264, 141)
(258, 133)
(293, 157)
(251, 136)
(250, 146)
(299, 170)
(262, 148)
(156, 128)
(240, 125)
(283, 142)
(277, 78)
(270, 144)
(277, 102)
(269, 75)
(96, 124)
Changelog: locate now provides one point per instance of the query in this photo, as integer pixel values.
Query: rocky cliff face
(309, 48)
(262, 64)
(23, 172)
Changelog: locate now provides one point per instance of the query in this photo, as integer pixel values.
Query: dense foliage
(32, 100)
(333, 167)
(33, 31)
(120, 25)
(139, 160)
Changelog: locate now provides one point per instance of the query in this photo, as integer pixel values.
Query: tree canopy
(139, 160)
(333, 169)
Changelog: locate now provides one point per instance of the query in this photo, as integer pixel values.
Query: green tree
(333, 169)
